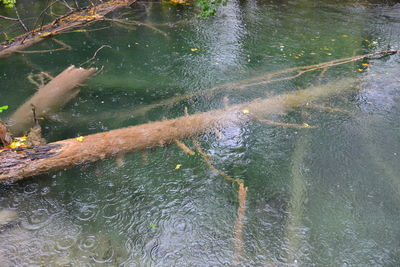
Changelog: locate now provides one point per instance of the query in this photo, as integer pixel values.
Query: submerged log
(63, 24)
(21, 163)
(49, 98)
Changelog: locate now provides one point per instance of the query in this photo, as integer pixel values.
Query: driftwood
(60, 25)
(49, 98)
(21, 163)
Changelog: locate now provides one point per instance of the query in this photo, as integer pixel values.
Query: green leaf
(2, 108)
(8, 3)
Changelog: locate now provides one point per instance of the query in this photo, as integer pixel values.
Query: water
(327, 196)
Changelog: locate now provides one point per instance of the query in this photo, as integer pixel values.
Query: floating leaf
(178, 166)
(306, 125)
(365, 64)
(80, 138)
(45, 34)
(194, 49)
(246, 111)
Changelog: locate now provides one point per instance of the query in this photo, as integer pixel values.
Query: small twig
(206, 159)
(239, 223)
(99, 71)
(95, 54)
(123, 26)
(330, 109)
(64, 47)
(184, 148)
(85, 30)
(47, 75)
(19, 19)
(291, 125)
(120, 160)
(76, 4)
(32, 81)
(8, 18)
(138, 23)
(63, 2)
(323, 71)
(40, 15)
(35, 119)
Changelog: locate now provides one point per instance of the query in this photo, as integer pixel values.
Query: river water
(323, 196)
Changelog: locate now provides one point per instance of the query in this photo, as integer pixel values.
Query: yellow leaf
(194, 49)
(178, 166)
(306, 125)
(360, 69)
(345, 35)
(15, 144)
(80, 138)
(44, 34)
(181, 2)
(246, 111)
(1, 150)
(365, 64)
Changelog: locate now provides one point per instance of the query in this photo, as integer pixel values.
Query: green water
(327, 196)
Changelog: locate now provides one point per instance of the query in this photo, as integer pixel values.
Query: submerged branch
(239, 224)
(67, 153)
(64, 46)
(8, 18)
(49, 98)
(290, 125)
(264, 79)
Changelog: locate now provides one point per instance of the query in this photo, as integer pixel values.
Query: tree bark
(49, 98)
(21, 163)
(63, 24)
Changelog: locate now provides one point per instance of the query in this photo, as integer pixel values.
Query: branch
(67, 153)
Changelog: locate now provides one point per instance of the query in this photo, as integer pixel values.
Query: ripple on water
(87, 213)
(66, 242)
(31, 188)
(37, 219)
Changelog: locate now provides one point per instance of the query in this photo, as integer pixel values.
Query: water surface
(325, 196)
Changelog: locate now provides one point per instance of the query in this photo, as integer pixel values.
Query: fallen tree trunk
(63, 24)
(49, 98)
(21, 163)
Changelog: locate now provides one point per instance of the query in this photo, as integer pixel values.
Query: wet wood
(73, 20)
(49, 98)
(5, 136)
(21, 163)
